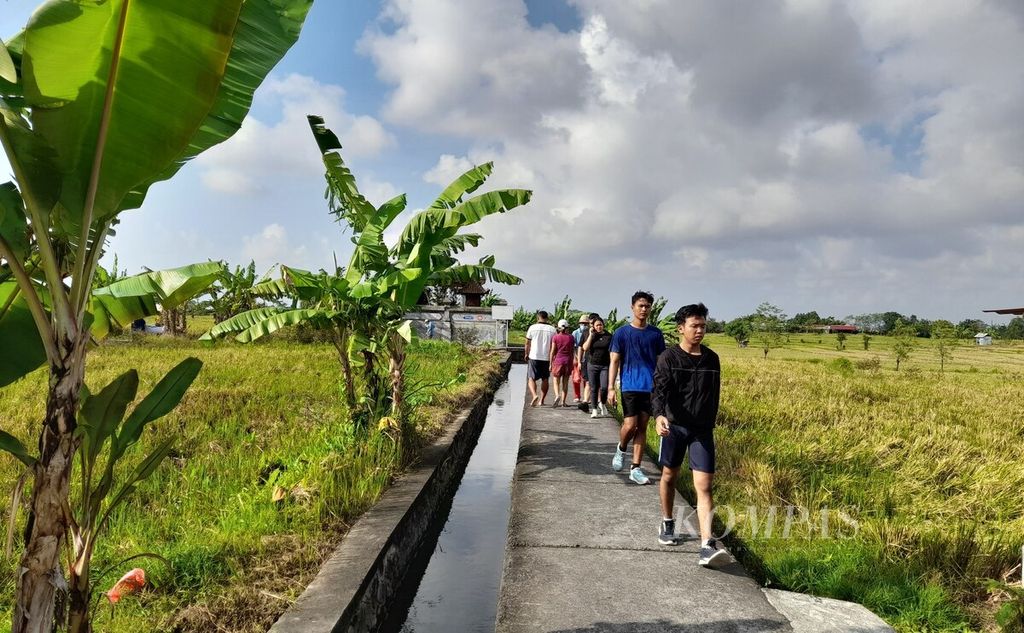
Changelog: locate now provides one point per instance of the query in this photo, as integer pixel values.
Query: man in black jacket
(687, 384)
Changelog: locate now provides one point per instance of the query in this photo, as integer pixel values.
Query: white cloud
(271, 246)
(261, 153)
(484, 81)
(745, 153)
(447, 169)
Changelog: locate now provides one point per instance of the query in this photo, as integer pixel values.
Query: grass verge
(924, 466)
(266, 476)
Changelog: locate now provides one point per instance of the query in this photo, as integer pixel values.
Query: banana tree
(320, 300)
(425, 253)
(363, 304)
(95, 108)
(112, 307)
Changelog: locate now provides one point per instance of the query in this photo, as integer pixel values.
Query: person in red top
(562, 347)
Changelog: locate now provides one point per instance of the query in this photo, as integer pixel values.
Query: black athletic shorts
(636, 402)
(538, 369)
(701, 445)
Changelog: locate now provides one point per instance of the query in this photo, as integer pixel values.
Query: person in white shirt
(538, 350)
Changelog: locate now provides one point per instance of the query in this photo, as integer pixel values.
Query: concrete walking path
(583, 553)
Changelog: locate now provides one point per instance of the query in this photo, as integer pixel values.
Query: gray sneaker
(668, 535)
(712, 552)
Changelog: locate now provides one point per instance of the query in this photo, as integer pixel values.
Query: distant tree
(233, 292)
(841, 341)
(769, 324)
(492, 299)
(522, 319)
(945, 338)
(563, 310)
(715, 326)
(803, 320)
(903, 334)
(654, 316)
(873, 322)
(866, 340)
(739, 329)
(1014, 329)
(613, 322)
(923, 328)
(969, 327)
(889, 321)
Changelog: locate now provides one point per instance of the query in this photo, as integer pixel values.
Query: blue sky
(844, 157)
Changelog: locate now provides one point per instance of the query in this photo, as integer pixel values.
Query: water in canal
(456, 589)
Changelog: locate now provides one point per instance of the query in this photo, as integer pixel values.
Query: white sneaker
(604, 409)
(593, 412)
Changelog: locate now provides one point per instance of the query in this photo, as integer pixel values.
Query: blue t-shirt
(638, 351)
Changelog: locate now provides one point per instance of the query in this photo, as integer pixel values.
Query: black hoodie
(687, 387)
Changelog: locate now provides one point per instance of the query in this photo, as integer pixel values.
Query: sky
(843, 157)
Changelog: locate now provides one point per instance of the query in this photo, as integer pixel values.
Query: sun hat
(584, 319)
(562, 323)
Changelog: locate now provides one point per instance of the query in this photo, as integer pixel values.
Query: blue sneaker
(637, 476)
(619, 460)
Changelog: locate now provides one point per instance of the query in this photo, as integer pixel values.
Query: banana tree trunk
(373, 380)
(80, 594)
(40, 579)
(341, 344)
(396, 369)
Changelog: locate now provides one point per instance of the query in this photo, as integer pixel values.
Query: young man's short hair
(543, 314)
(594, 315)
(641, 294)
(692, 310)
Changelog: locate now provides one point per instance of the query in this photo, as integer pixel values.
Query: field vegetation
(925, 463)
(266, 474)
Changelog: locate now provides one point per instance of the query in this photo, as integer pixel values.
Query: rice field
(265, 477)
(920, 474)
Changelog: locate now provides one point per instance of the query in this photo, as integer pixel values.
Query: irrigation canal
(454, 586)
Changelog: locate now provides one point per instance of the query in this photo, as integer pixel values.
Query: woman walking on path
(562, 347)
(579, 335)
(599, 357)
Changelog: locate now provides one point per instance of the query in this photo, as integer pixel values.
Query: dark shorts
(701, 445)
(636, 402)
(583, 370)
(538, 369)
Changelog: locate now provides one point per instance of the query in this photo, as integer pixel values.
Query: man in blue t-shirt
(634, 350)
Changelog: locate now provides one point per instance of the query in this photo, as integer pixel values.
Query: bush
(873, 364)
(842, 365)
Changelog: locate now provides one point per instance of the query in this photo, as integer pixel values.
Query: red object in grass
(129, 583)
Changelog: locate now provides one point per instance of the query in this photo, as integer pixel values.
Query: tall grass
(928, 465)
(266, 474)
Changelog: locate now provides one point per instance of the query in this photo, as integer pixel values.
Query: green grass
(259, 419)
(927, 464)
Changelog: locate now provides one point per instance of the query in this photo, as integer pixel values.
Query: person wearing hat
(579, 335)
(687, 386)
(562, 347)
